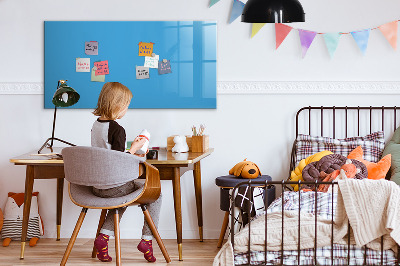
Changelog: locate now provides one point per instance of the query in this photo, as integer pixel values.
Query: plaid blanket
(324, 257)
(322, 204)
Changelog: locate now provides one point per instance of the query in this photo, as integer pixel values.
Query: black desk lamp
(63, 97)
(273, 11)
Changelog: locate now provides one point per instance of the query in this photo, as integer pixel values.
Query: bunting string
(361, 37)
(343, 33)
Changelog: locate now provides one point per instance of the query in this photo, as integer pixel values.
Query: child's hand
(142, 155)
(137, 144)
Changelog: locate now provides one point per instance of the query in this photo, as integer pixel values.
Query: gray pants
(153, 208)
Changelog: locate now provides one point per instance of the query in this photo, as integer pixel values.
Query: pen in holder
(200, 143)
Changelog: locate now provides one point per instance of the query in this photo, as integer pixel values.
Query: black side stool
(228, 182)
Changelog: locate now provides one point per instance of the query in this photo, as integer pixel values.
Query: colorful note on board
(102, 68)
(142, 72)
(98, 78)
(83, 65)
(91, 48)
(151, 61)
(145, 48)
(164, 67)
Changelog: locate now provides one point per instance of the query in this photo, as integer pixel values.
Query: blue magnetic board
(190, 47)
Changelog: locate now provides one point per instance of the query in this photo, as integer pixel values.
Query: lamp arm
(54, 126)
(46, 143)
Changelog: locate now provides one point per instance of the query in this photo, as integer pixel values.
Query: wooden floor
(50, 252)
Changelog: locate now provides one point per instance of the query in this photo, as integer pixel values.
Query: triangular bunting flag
(256, 28)
(281, 31)
(361, 38)
(390, 32)
(332, 41)
(213, 2)
(237, 9)
(306, 39)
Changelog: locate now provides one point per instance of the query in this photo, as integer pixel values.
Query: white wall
(257, 127)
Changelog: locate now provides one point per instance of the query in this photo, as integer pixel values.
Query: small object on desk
(152, 155)
(180, 144)
(200, 143)
(202, 128)
(46, 154)
(144, 134)
(171, 143)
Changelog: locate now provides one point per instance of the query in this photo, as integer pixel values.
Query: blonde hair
(112, 99)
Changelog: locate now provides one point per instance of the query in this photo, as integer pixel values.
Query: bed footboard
(309, 256)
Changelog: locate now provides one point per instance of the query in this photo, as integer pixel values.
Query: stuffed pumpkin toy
(13, 215)
(245, 169)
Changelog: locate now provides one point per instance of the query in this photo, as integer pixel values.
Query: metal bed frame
(283, 184)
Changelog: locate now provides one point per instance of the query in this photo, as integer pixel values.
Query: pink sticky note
(102, 68)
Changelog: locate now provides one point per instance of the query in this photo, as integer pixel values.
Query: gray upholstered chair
(85, 167)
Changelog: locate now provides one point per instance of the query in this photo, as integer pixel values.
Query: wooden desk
(171, 167)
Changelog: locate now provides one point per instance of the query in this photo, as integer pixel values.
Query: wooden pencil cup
(200, 143)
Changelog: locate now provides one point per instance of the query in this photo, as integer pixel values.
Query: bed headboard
(344, 121)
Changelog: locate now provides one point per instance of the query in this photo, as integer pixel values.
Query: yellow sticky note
(98, 78)
(145, 48)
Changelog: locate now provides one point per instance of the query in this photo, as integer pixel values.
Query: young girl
(113, 103)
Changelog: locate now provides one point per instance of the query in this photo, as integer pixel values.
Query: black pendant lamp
(273, 11)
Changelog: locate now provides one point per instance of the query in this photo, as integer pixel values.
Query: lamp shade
(273, 11)
(65, 95)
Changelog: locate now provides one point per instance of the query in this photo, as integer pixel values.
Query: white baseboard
(258, 87)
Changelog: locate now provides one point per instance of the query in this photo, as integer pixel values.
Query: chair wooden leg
(101, 222)
(223, 229)
(154, 230)
(73, 237)
(117, 238)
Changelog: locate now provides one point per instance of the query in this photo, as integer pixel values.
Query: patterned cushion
(372, 144)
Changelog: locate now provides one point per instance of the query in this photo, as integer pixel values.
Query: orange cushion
(375, 170)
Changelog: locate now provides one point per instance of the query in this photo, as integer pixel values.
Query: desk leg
(199, 204)
(60, 190)
(27, 206)
(176, 182)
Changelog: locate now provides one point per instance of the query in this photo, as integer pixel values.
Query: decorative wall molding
(309, 87)
(22, 88)
(259, 87)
